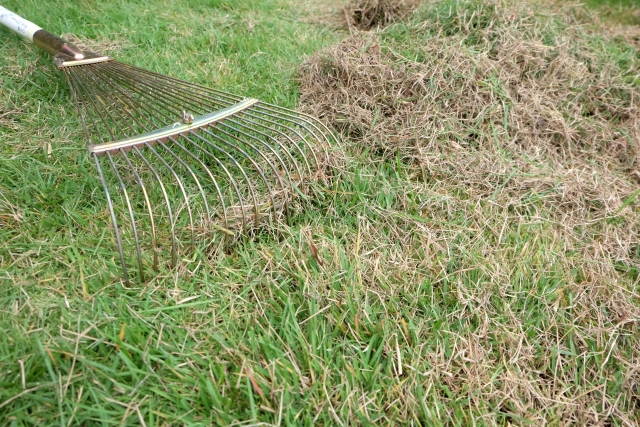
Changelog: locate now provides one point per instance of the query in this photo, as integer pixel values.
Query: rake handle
(43, 39)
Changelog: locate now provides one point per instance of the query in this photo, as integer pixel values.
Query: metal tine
(138, 83)
(180, 185)
(76, 94)
(272, 138)
(255, 165)
(76, 81)
(154, 244)
(270, 148)
(131, 215)
(198, 98)
(150, 110)
(302, 138)
(195, 178)
(113, 219)
(174, 240)
(231, 179)
(91, 101)
(189, 102)
(153, 170)
(79, 97)
(245, 154)
(224, 168)
(150, 113)
(284, 189)
(293, 116)
(208, 171)
(125, 101)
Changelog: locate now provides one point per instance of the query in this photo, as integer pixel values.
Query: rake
(181, 163)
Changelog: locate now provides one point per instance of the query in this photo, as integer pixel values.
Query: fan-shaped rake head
(181, 163)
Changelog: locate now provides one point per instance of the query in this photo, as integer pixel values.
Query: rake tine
(284, 188)
(307, 143)
(113, 220)
(240, 168)
(131, 216)
(255, 165)
(287, 117)
(197, 138)
(191, 172)
(231, 179)
(280, 159)
(238, 122)
(74, 93)
(213, 179)
(174, 253)
(151, 94)
(128, 116)
(166, 199)
(154, 244)
(79, 80)
(182, 190)
(229, 98)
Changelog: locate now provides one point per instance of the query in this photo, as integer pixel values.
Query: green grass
(409, 319)
(618, 11)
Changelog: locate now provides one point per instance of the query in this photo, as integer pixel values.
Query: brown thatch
(371, 14)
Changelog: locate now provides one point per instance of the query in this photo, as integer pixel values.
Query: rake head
(181, 163)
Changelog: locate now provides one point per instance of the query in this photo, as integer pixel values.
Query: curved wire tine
(279, 178)
(227, 98)
(113, 219)
(254, 148)
(300, 119)
(208, 172)
(182, 190)
(193, 175)
(154, 243)
(173, 94)
(191, 172)
(302, 138)
(295, 116)
(155, 173)
(238, 121)
(197, 100)
(177, 88)
(231, 180)
(90, 101)
(240, 168)
(153, 115)
(205, 93)
(131, 215)
(253, 162)
(150, 90)
(77, 99)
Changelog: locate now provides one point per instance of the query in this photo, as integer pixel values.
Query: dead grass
(371, 14)
(102, 45)
(521, 130)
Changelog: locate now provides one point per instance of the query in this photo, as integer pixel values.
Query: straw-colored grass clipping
(495, 100)
(522, 131)
(371, 14)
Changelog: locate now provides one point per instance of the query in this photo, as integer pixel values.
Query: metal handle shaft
(43, 39)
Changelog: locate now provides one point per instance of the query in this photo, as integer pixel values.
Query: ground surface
(482, 273)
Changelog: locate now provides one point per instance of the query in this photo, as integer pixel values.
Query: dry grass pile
(494, 102)
(370, 14)
(521, 133)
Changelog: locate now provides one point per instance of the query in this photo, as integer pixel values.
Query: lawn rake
(181, 163)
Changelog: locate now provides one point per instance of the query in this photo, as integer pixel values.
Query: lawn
(470, 263)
